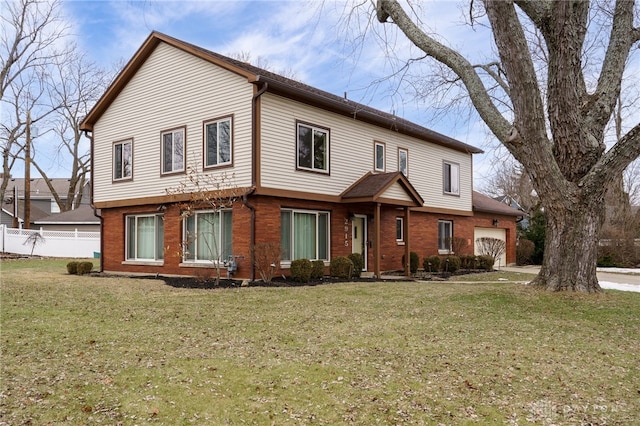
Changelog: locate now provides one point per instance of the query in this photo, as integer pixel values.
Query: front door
(359, 237)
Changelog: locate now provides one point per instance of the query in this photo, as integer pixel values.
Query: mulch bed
(210, 283)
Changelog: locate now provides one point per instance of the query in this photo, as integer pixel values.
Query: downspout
(252, 237)
(95, 210)
(254, 174)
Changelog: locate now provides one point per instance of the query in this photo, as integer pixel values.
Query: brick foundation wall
(423, 239)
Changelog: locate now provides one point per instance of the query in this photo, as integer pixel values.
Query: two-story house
(318, 174)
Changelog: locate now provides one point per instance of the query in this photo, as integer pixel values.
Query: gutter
(254, 174)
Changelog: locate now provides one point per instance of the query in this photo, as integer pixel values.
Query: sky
(325, 44)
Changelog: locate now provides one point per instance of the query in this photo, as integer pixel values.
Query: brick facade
(423, 228)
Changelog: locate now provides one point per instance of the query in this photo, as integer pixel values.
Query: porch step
(367, 275)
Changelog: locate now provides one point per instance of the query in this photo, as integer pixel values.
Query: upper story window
(313, 148)
(145, 237)
(403, 161)
(451, 178)
(173, 150)
(445, 236)
(123, 160)
(218, 145)
(379, 157)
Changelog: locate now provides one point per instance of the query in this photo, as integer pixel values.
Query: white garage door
(500, 234)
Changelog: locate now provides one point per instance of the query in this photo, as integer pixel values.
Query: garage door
(500, 234)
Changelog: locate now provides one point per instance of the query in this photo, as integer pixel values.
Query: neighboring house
(43, 202)
(320, 175)
(81, 219)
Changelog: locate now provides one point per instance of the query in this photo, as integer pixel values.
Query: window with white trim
(451, 178)
(445, 236)
(403, 161)
(312, 148)
(399, 229)
(144, 236)
(379, 155)
(122, 160)
(207, 236)
(173, 151)
(218, 143)
(304, 234)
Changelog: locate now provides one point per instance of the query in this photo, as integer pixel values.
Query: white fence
(49, 243)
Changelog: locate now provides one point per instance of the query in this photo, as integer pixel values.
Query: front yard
(89, 350)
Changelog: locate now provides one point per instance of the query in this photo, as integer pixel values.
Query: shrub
(317, 269)
(341, 267)
(431, 264)
(72, 267)
(524, 251)
(414, 261)
(266, 258)
(451, 264)
(84, 268)
(607, 261)
(358, 263)
(468, 261)
(486, 262)
(301, 270)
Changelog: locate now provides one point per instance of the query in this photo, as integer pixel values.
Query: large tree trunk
(571, 248)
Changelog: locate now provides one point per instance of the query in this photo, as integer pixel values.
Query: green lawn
(91, 350)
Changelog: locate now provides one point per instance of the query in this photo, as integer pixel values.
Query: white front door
(359, 237)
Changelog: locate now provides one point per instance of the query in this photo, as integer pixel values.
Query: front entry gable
(384, 188)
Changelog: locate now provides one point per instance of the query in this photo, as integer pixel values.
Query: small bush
(451, 264)
(468, 261)
(341, 267)
(431, 264)
(524, 251)
(266, 258)
(486, 262)
(72, 267)
(414, 261)
(317, 269)
(301, 270)
(607, 261)
(84, 268)
(358, 263)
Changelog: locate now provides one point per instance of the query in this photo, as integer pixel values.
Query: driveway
(609, 278)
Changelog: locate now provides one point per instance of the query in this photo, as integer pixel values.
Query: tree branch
(455, 61)
(600, 105)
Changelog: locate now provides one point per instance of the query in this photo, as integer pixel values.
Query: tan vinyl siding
(171, 89)
(397, 192)
(352, 155)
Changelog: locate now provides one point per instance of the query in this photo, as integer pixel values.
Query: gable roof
(39, 187)
(483, 203)
(373, 188)
(273, 83)
(82, 215)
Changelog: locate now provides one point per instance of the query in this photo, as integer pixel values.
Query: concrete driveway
(609, 278)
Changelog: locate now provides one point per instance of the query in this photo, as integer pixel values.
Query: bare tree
(553, 125)
(493, 247)
(29, 35)
(74, 84)
(510, 180)
(202, 199)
